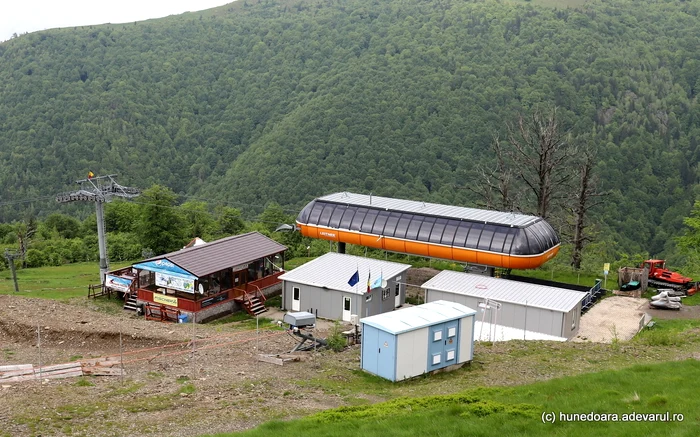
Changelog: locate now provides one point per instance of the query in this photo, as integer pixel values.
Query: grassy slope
(60, 283)
(657, 388)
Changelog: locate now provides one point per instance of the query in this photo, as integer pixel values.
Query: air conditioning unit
(354, 319)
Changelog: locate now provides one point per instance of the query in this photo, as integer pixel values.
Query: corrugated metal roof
(504, 290)
(221, 254)
(434, 209)
(334, 270)
(412, 318)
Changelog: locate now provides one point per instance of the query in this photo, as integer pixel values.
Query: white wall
(411, 353)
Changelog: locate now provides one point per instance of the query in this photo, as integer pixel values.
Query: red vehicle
(661, 277)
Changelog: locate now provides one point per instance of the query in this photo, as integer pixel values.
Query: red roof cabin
(204, 281)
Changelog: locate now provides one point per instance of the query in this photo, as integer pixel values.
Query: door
(397, 296)
(450, 351)
(436, 347)
(443, 345)
(296, 299)
(386, 357)
(346, 309)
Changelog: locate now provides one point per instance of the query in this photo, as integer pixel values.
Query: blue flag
(354, 279)
(377, 282)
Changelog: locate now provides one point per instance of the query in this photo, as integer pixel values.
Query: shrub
(336, 340)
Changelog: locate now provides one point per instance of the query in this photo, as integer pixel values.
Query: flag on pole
(377, 282)
(369, 275)
(354, 279)
(90, 175)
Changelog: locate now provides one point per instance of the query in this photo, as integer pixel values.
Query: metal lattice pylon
(99, 189)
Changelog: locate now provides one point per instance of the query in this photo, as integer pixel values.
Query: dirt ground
(234, 389)
(616, 317)
(176, 387)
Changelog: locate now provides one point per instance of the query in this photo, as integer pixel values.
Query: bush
(336, 340)
(35, 258)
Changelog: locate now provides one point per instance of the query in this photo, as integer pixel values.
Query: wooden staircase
(253, 302)
(253, 306)
(130, 303)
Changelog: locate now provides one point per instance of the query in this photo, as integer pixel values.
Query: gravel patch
(612, 318)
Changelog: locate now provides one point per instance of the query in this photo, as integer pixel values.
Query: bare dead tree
(540, 154)
(584, 198)
(25, 231)
(494, 183)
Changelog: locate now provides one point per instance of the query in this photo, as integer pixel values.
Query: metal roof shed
(417, 340)
(322, 286)
(537, 308)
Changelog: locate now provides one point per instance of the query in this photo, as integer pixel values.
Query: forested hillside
(287, 100)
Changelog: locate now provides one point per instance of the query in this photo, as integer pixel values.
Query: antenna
(99, 189)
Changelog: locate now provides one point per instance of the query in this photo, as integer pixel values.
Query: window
(337, 215)
(397, 290)
(426, 227)
(449, 234)
(368, 298)
(498, 238)
(414, 227)
(486, 236)
(474, 234)
(347, 218)
(382, 218)
(357, 220)
(346, 303)
(402, 226)
(436, 234)
(315, 213)
(326, 215)
(369, 220)
(385, 294)
(295, 293)
(573, 319)
(461, 234)
(391, 222)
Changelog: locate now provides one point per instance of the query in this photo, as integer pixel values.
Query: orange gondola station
(469, 235)
(204, 281)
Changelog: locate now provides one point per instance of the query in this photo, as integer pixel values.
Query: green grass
(59, 283)
(511, 411)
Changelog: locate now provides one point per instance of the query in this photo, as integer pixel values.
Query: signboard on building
(174, 282)
(117, 283)
(165, 300)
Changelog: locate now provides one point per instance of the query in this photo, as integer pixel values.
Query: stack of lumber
(28, 372)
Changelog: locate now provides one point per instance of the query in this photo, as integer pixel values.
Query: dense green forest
(282, 101)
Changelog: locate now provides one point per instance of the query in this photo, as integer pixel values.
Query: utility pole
(11, 257)
(99, 189)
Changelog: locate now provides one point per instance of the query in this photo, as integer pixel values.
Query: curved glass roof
(506, 233)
